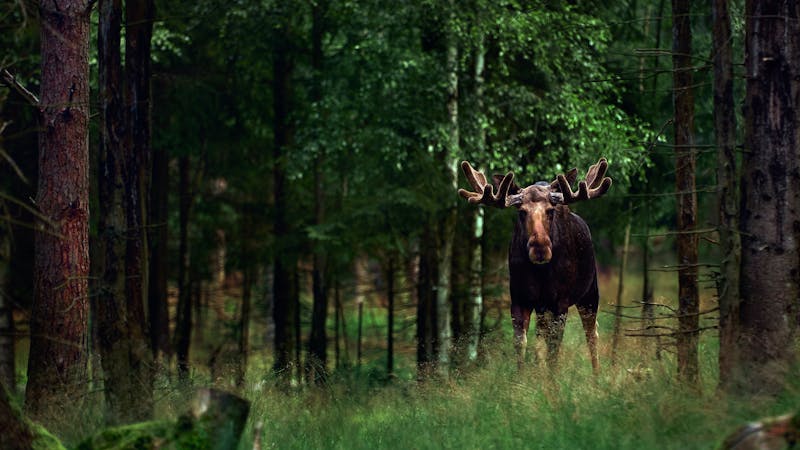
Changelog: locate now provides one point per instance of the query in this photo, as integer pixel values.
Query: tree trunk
(447, 225)
(476, 261)
(284, 263)
(390, 278)
(683, 101)
(337, 305)
(244, 321)
(770, 197)
(183, 317)
(623, 266)
(648, 317)
(126, 389)
(316, 370)
(59, 317)
(426, 312)
(158, 312)
(139, 29)
(18, 432)
(8, 375)
(725, 137)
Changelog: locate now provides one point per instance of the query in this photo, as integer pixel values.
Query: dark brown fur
(549, 288)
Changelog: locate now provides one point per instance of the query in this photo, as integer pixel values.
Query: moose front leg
(521, 319)
(549, 333)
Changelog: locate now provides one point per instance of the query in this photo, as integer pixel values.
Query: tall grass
(492, 405)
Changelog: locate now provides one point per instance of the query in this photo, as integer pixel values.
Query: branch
(12, 82)
(674, 333)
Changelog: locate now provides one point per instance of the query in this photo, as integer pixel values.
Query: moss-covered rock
(215, 424)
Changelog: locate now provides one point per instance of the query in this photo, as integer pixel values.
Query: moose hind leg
(521, 319)
(554, 337)
(589, 319)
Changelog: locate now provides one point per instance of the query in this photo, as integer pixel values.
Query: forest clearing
(426, 224)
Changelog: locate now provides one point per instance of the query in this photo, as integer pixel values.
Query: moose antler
(483, 191)
(595, 185)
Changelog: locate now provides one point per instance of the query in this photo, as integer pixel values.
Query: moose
(550, 259)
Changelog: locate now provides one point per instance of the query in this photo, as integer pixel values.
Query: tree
(284, 265)
(683, 101)
(770, 197)
(316, 363)
(59, 320)
(725, 137)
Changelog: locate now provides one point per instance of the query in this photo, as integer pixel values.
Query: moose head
(538, 204)
(551, 259)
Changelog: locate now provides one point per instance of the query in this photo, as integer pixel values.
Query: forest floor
(636, 403)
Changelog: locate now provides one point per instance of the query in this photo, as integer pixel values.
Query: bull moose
(550, 259)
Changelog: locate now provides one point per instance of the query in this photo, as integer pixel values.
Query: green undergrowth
(634, 405)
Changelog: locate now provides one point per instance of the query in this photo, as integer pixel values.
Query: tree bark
(8, 375)
(158, 312)
(244, 322)
(390, 279)
(183, 319)
(18, 432)
(725, 137)
(138, 34)
(447, 225)
(683, 102)
(316, 364)
(126, 391)
(59, 318)
(770, 197)
(426, 311)
(476, 258)
(623, 267)
(284, 263)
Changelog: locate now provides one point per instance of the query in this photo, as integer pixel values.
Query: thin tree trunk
(683, 100)
(725, 136)
(244, 322)
(336, 324)
(360, 327)
(158, 312)
(447, 225)
(297, 342)
(426, 312)
(8, 375)
(623, 266)
(476, 265)
(57, 363)
(770, 203)
(183, 319)
(390, 278)
(648, 318)
(284, 263)
(316, 370)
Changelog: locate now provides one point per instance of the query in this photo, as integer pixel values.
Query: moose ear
(496, 179)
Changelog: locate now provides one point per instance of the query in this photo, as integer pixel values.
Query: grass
(636, 404)
(492, 405)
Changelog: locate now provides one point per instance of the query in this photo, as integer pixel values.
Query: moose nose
(539, 252)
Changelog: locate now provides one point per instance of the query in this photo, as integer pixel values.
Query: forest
(356, 224)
